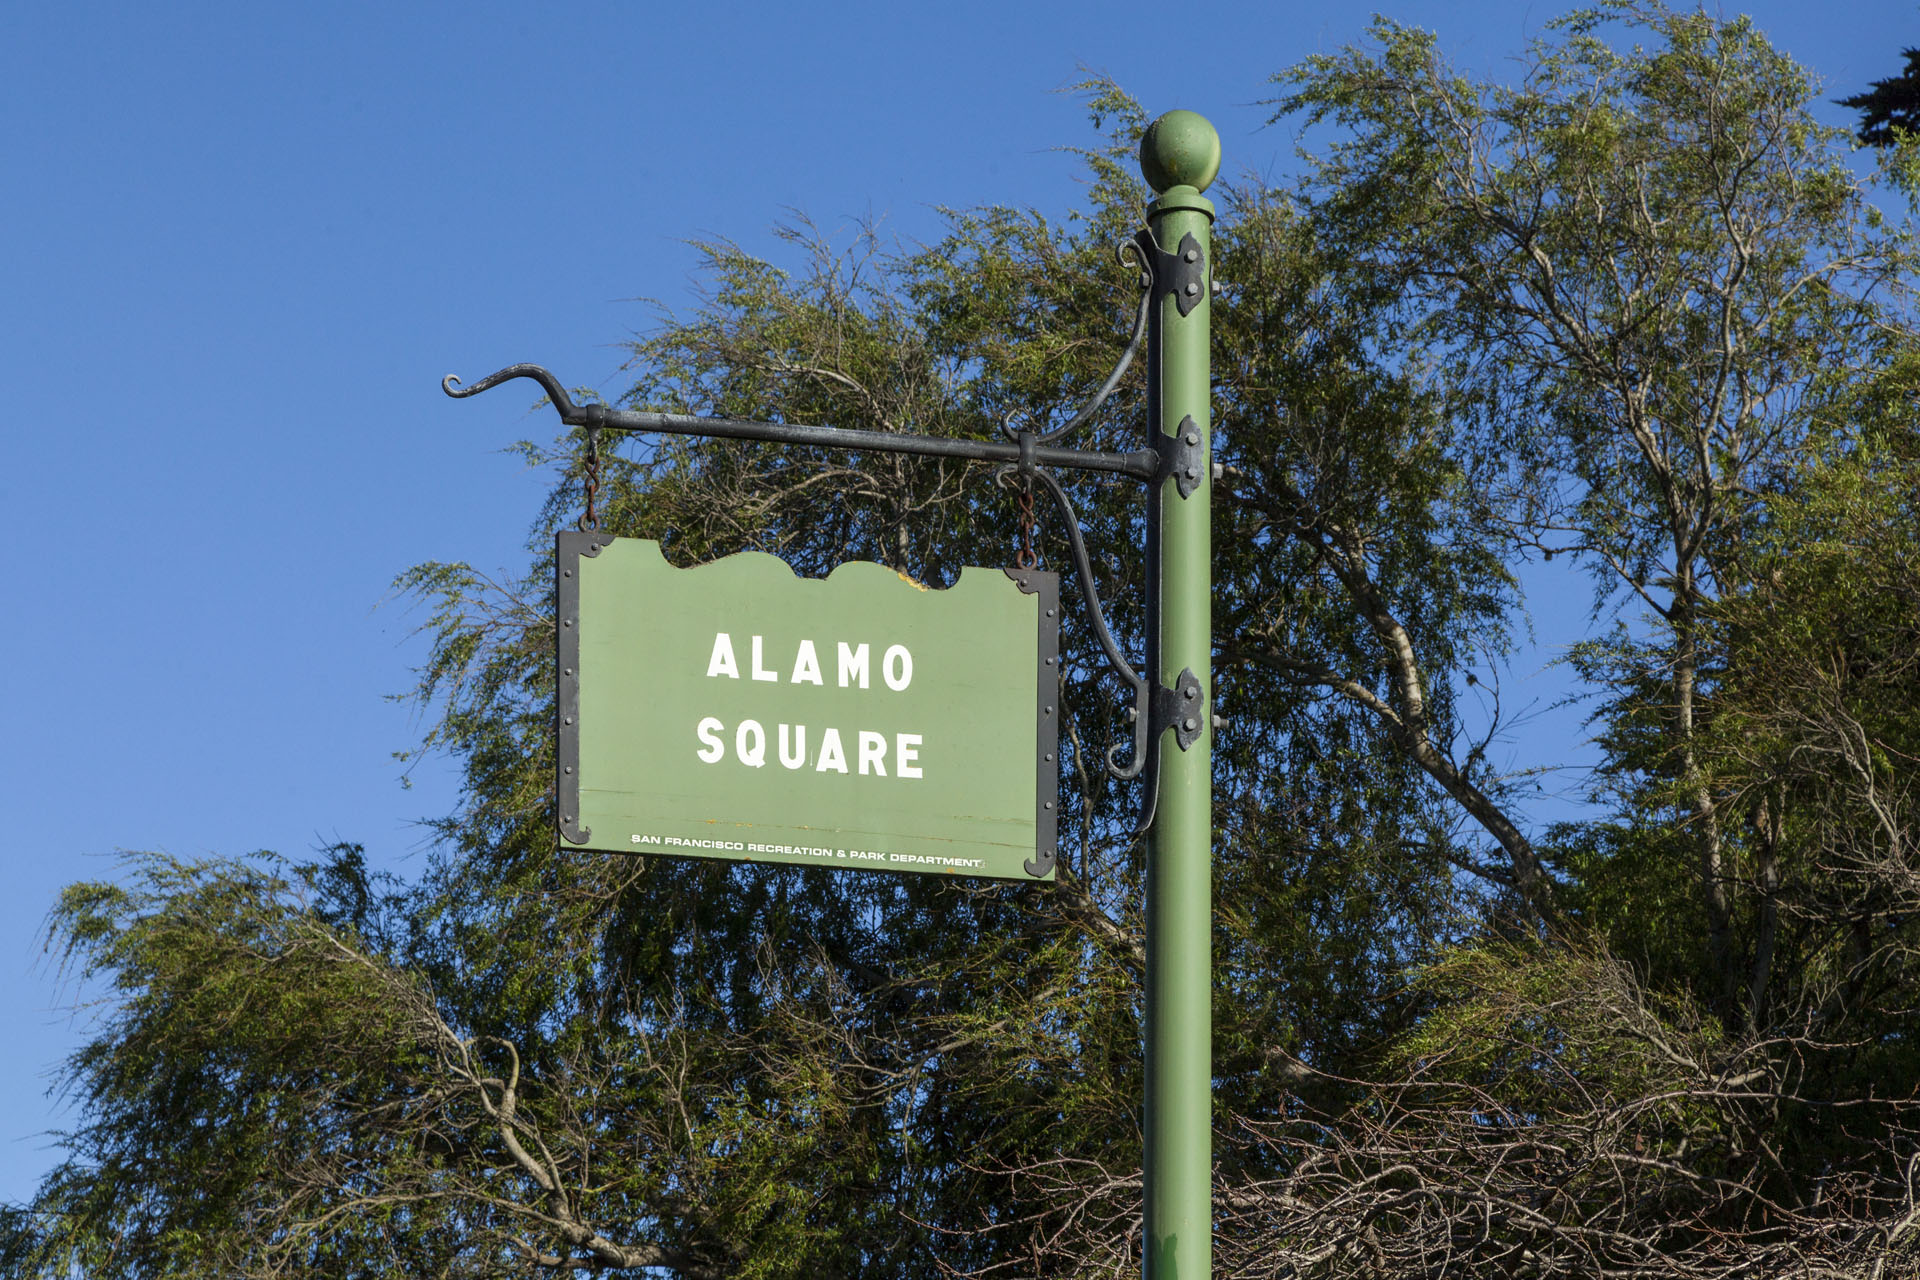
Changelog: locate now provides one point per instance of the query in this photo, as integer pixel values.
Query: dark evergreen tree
(1891, 107)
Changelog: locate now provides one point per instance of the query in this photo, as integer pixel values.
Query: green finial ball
(1180, 149)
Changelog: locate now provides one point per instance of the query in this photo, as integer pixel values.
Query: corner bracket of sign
(1182, 709)
(570, 545)
(1028, 580)
(1047, 722)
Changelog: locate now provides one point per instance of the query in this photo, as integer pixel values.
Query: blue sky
(245, 242)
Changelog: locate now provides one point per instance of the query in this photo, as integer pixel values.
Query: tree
(1633, 313)
(1891, 107)
(1647, 277)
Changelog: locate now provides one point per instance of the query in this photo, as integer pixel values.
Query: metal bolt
(1049, 613)
(1219, 471)
(1193, 437)
(1191, 693)
(568, 720)
(1049, 661)
(567, 623)
(1192, 724)
(1193, 290)
(1219, 723)
(567, 769)
(1049, 804)
(1047, 758)
(1191, 255)
(1049, 711)
(1191, 474)
(566, 573)
(1218, 288)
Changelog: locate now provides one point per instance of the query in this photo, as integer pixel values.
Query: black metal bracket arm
(1141, 314)
(1137, 684)
(1141, 464)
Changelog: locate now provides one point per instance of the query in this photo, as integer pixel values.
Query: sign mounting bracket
(1026, 452)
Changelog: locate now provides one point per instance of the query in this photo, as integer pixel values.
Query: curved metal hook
(1113, 379)
(1129, 254)
(555, 392)
(1083, 569)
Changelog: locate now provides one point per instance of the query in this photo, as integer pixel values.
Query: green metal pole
(1180, 156)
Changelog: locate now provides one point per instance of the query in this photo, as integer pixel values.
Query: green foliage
(1530, 1022)
(245, 1032)
(1631, 311)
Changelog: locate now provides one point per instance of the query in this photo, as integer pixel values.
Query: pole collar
(1181, 198)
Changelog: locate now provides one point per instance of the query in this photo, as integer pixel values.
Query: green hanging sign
(737, 711)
